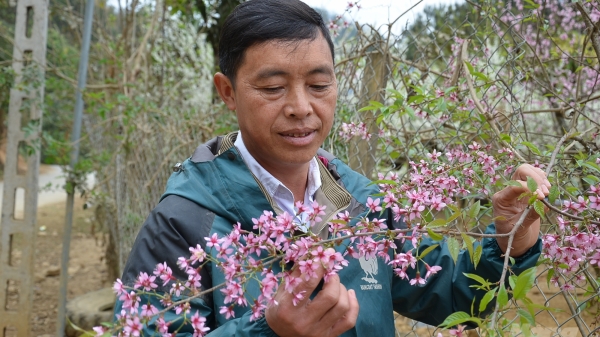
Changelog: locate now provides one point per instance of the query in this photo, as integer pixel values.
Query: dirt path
(87, 271)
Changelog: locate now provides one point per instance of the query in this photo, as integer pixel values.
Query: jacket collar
(330, 194)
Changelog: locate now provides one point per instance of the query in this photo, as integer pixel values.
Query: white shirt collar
(280, 194)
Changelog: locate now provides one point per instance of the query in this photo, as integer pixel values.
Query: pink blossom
(373, 205)
(146, 282)
(595, 202)
(99, 330)
(118, 287)
(162, 326)
(431, 270)
(164, 272)
(458, 332)
(227, 311)
(133, 327)
(199, 325)
(299, 296)
(148, 310)
(417, 280)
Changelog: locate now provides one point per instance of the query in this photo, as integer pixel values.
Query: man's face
(285, 96)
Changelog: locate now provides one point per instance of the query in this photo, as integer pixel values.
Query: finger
(310, 279)
(337, 311)
(507, 195)
(347, 321)
(327, 298)
(296, 289)
(537, 174)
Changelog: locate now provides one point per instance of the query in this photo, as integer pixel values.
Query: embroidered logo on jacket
(370, 267)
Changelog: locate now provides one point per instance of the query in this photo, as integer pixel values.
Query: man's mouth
(297, 135)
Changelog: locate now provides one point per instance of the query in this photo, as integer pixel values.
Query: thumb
(509, 194)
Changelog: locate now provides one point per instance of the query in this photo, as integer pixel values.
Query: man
(276, 58)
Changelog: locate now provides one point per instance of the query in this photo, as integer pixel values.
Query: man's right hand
(332, 312)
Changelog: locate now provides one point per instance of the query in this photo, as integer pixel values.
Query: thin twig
(574, 217)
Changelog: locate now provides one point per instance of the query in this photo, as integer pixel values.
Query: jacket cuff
(264, 328)
(526, 258)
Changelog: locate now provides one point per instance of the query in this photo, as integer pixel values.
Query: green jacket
(215, 189)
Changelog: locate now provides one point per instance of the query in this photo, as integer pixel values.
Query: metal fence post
(75, 138)
(18, 232)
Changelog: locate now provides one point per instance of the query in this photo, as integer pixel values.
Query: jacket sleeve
(238, 327)
(171, 228)
(449, 290)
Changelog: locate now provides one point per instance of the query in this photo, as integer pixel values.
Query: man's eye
(320, 87)
(272, 90)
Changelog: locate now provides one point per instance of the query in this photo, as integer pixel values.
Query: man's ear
(225, 89)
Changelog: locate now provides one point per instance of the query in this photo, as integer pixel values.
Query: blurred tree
(208, 15)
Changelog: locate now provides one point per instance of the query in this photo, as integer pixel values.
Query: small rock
(52, 271)
(39, 277)
(73, 270)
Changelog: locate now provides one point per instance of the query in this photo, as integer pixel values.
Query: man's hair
(259, 21)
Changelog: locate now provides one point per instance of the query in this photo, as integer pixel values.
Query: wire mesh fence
(504, 75)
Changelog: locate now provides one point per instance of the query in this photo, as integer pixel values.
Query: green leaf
(533, 148)
(591, 180)
(474, 210)
(549, 276)
(427, 216)
(428, 250)
(505, 137)
(453, 207)
(531, 185)
(459, 317)
(592, 166)
(513, 183)
(470, 67)
(453, 216)
(454, 249)
(502, 296)
(554, 193)
(376, 104)
(434, 236)
(487, 298)
(437, 223)
(477, 255)
(526, 317)
(531, 5)
(538, 206)
(532, 199)
(483, 282)
(469, 243)
(512, 281)
(524, 283)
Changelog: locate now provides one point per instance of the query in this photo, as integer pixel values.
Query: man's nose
(298, 103)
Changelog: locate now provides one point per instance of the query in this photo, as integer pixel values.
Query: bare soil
(87, 271)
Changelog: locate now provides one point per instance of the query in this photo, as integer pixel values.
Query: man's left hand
(508, 209)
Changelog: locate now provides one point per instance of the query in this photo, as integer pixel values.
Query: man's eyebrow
(321, 70)
(268, 73)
